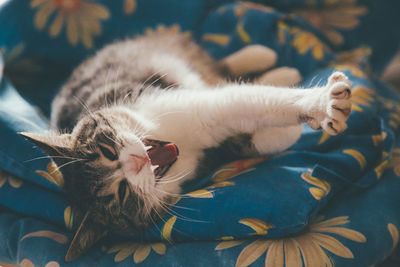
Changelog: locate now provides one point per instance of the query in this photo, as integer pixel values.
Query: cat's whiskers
(84, 105)
(142, 84)
(108, 78)
(65, 164)
(156, 80)
(143, 136)
(127, 95)
(51, 157)
(141, 133)
(160, 217)
(109, 83)
(170, 194)
(162, 205)
(148, 208)
(149, 215)
(117, 85)
(151, 76)
(155, 119)
(147, 79)
(139, 89)
(167, 208)
(113, 140)
(180, 207)
(169, 204)
(137, 132)
(173, 178)
(162, 184)
(171, 86)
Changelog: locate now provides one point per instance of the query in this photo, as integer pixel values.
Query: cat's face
(112, 173)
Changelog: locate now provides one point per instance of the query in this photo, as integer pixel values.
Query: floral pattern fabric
(327, 201)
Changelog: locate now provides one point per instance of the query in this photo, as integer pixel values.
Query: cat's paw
(333, 106)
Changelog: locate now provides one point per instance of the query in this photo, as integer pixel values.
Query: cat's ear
(56, 146)
(88, 233)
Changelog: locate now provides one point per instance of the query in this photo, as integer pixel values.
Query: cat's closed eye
(108, 152)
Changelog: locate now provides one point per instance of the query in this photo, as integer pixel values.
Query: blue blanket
(327, 201)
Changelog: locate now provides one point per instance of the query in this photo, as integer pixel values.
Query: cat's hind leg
(275, 139)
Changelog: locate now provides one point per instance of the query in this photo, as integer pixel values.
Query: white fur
(198, 119)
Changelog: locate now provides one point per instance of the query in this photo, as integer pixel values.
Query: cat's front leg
(207, 117)
(329, 107)
(248, 108)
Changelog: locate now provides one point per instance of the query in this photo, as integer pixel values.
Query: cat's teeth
(147, 148)
(153, 167)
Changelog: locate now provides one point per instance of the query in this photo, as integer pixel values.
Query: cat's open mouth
(162, 154)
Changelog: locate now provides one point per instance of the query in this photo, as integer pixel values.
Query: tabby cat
(143, 116)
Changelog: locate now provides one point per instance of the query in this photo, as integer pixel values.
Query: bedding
(327, 201)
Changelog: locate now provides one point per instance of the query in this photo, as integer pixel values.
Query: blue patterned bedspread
(327, 201)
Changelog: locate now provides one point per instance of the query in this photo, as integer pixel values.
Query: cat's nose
(138, 162)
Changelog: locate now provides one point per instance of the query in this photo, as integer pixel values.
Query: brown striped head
(111, 174)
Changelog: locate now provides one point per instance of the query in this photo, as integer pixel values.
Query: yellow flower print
(68, 217)
(13, 54)
(201, 193)
(356, 56)
(260, 227)
(53, 174)
(226, 238)
(334, 17)
(361, 96)
(389, 104)
(395, 161)
(357, 156)
(129, 6)
(204, 193)
(352, 68)
(237, 167)
(394, 233)
(229, 244)
(243, 35)
(378, 138)
(167, 229)
(322, 187)
(324, 136)
(81, 17)
(140, 251)
(394, 120)
(219, 39)
(59, 238)
(241, 9)
(309, 247)
(380, 169)
(305, 41)
(13, 181)
(283, 31)
(220, 184)
(260, 7)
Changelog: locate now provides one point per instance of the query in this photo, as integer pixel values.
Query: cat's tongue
(163, 155)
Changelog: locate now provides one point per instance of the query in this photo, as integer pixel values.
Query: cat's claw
(334, 105)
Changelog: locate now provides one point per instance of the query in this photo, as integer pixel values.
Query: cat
(140, 118)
